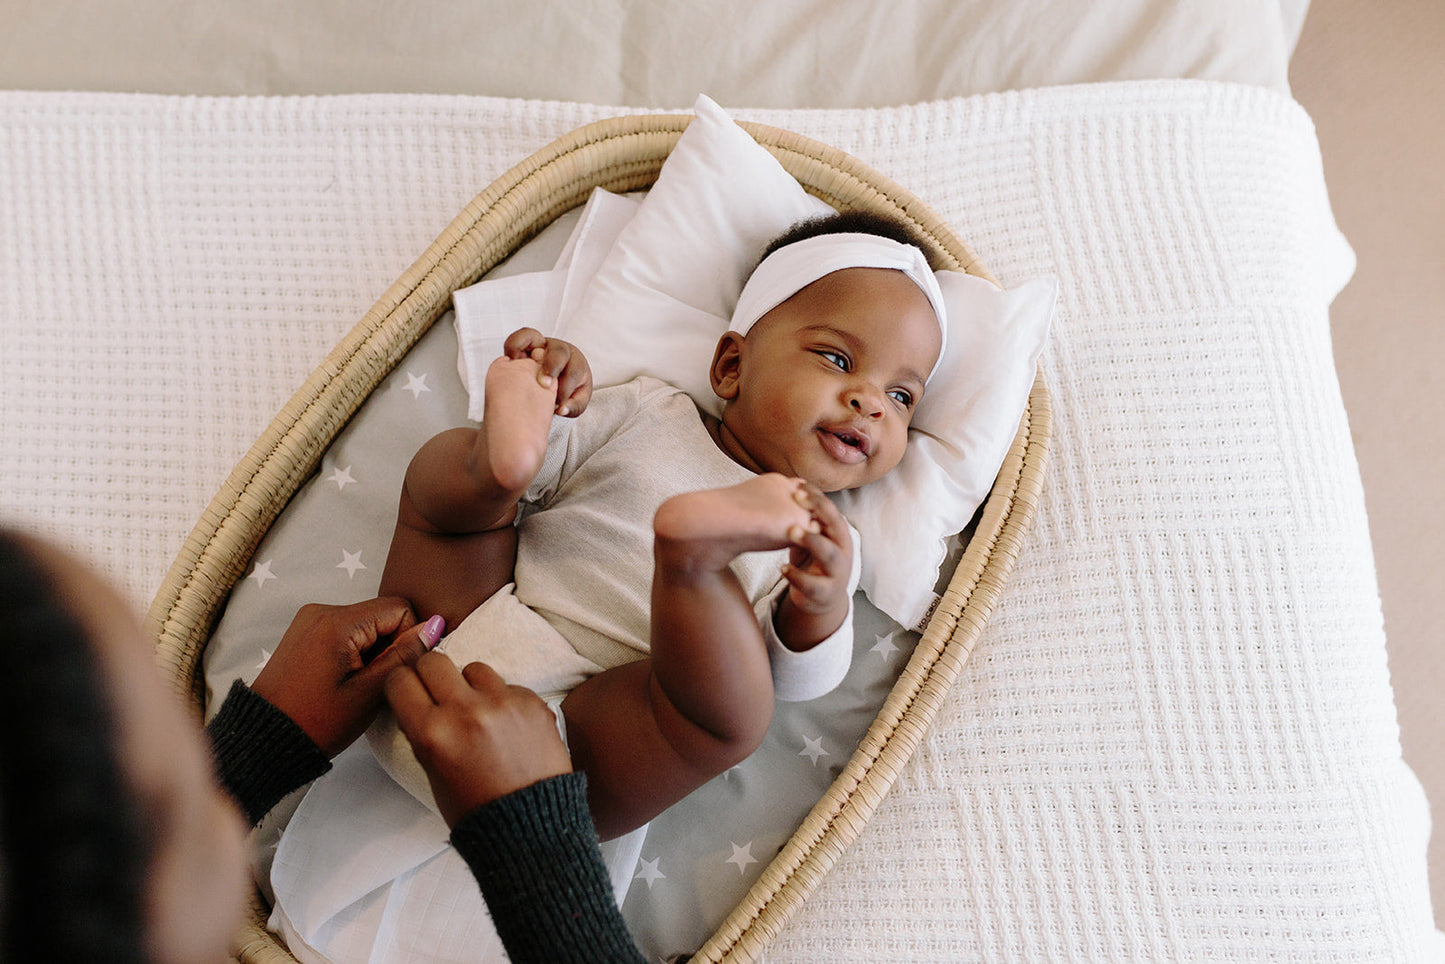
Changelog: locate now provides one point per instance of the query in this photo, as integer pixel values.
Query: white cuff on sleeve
(818, 670)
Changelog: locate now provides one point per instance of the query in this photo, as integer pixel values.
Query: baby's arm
(818, 572)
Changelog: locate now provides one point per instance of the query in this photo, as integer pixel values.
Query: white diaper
(520, 645)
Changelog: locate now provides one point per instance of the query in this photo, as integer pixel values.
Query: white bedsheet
(1176, 738)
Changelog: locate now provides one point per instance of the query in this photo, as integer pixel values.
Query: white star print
(342, 478)
(350, 561)
(265, 658)
(885, 646)
(262, 572)
(416, 384)
(742, 856)
(649, 872)
(812, 749)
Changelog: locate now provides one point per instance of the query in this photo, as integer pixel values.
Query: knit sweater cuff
(534, 853)
(261, 754)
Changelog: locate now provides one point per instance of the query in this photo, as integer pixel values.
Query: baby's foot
(517, 415)
(711, 528)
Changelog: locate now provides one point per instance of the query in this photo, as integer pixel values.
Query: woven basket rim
(619, 154)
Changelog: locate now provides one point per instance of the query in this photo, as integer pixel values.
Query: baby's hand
(819, 566)
(563, 365)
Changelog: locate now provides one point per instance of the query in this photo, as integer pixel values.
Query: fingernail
(431, 633)
(795, 533)
(562, 410)
(545, 381)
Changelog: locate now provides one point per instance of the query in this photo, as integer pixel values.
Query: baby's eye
(901, 397)
(837, 358)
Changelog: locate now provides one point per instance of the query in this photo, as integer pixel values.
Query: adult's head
(115, 842)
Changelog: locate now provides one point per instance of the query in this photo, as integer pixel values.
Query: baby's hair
(846, 222)
(73, 862)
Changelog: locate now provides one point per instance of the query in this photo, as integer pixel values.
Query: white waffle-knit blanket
(1175, 740)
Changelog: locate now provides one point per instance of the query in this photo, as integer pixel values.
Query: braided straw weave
(620, 154)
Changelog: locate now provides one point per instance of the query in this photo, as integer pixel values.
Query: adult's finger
(483, 678)
(388, 613)
(409, 699)
(441, 677)
(406, 648)
(376, 621)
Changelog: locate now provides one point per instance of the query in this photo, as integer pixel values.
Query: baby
(556, 526)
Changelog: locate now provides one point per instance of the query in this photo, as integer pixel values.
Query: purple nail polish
(431, 633)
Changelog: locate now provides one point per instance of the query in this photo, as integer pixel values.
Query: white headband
(793, 267)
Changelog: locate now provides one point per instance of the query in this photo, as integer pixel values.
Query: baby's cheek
(894, 450)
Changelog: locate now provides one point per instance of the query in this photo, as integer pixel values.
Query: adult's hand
(328, 671)
(477, 738)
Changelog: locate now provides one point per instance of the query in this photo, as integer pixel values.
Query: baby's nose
(864, 403)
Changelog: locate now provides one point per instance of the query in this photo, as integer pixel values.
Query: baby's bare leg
(454, 543)
(650, 732)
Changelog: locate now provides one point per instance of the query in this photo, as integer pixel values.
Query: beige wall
(1372, 75)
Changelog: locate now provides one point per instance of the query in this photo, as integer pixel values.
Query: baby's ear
(726, 365)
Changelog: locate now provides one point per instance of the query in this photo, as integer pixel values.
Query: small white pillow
(665, 293)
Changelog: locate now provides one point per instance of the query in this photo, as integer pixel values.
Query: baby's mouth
(845, 444)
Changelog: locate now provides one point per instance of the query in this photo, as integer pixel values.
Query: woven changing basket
(622, 154)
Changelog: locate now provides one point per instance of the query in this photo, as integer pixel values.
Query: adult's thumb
(408, 647)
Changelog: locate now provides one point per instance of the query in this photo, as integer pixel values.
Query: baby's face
(827, 382)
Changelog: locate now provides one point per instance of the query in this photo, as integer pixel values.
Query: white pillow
(957, 441)
(665, 293)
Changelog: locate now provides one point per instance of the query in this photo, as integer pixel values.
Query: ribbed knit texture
(535, 854)
(261, 754)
